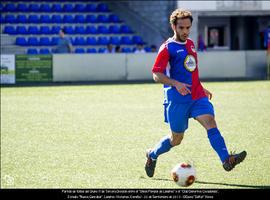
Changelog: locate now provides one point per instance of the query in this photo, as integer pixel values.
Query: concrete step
(7, 40)
(13, 50)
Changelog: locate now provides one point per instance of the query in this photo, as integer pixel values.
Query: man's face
(61, 33)
(110, 47)
(182, 29)
(140, 46)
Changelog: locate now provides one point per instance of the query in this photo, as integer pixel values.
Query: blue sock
(162, 147)
(218, 143)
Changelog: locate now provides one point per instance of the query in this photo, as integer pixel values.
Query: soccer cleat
(233, 160)
(150, 164)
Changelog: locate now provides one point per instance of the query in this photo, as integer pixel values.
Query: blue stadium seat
(79, 41)
(68, 19)
(90, 8)
(21, 19)
(79, 50)
(33, 7)
(91, 30)
(102, 19)
(44, 30)
(33, 41)
(126, 40)
(69, 29)
(44, 41)
(1, 8)
(56, 19)
(10, 30)
(115, 40)
(33, 19)
(90, 19)
(57, 7)
(68, 7)
(147, 49)
(79, 7)
(102, 7)
(114, 18)
(55, 29)
(10, 18)
(21, 30)
(125, 29)
(79, 30)
(21, 41)
(33, 30)
(91, 41)
(45, 19)
(10, 7)
(101, 50)
(91, 50)
(54, 40)
(103, 40)
(126, 50)
(137, 39)
(114, 29)
(44, 51)
(2, 19)
(32, 51)
(79, 19)
(102, 29)
(21, 7)
(45, 8)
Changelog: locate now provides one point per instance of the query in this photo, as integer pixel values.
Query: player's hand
(208, 94)
(182, 88)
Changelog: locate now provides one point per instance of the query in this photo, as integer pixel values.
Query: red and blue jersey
(178, 60)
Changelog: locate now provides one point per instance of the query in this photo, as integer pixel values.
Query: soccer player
(176, 66)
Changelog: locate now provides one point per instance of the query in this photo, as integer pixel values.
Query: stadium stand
(91, 25)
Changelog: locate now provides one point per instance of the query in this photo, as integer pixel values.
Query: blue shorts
(177, 114)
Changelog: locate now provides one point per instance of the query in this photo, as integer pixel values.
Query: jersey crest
(190, 63)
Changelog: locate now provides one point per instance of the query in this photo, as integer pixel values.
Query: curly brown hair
(180, 14)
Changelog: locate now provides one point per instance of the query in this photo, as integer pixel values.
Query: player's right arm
(162, 78)
(159, 68)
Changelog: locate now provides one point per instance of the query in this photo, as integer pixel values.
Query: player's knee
(211, 122)
(208, 122)
(176, 140)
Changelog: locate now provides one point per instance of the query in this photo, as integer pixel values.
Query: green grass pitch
(95, 136)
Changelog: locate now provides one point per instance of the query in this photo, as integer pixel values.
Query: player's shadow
(216, 183)
(235, 185)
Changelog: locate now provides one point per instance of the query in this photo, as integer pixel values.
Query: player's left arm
(208, 93)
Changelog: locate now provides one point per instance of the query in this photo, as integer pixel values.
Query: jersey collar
(172, 40)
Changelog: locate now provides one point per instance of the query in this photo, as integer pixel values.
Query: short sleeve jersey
(178, 60)
(63, 45)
